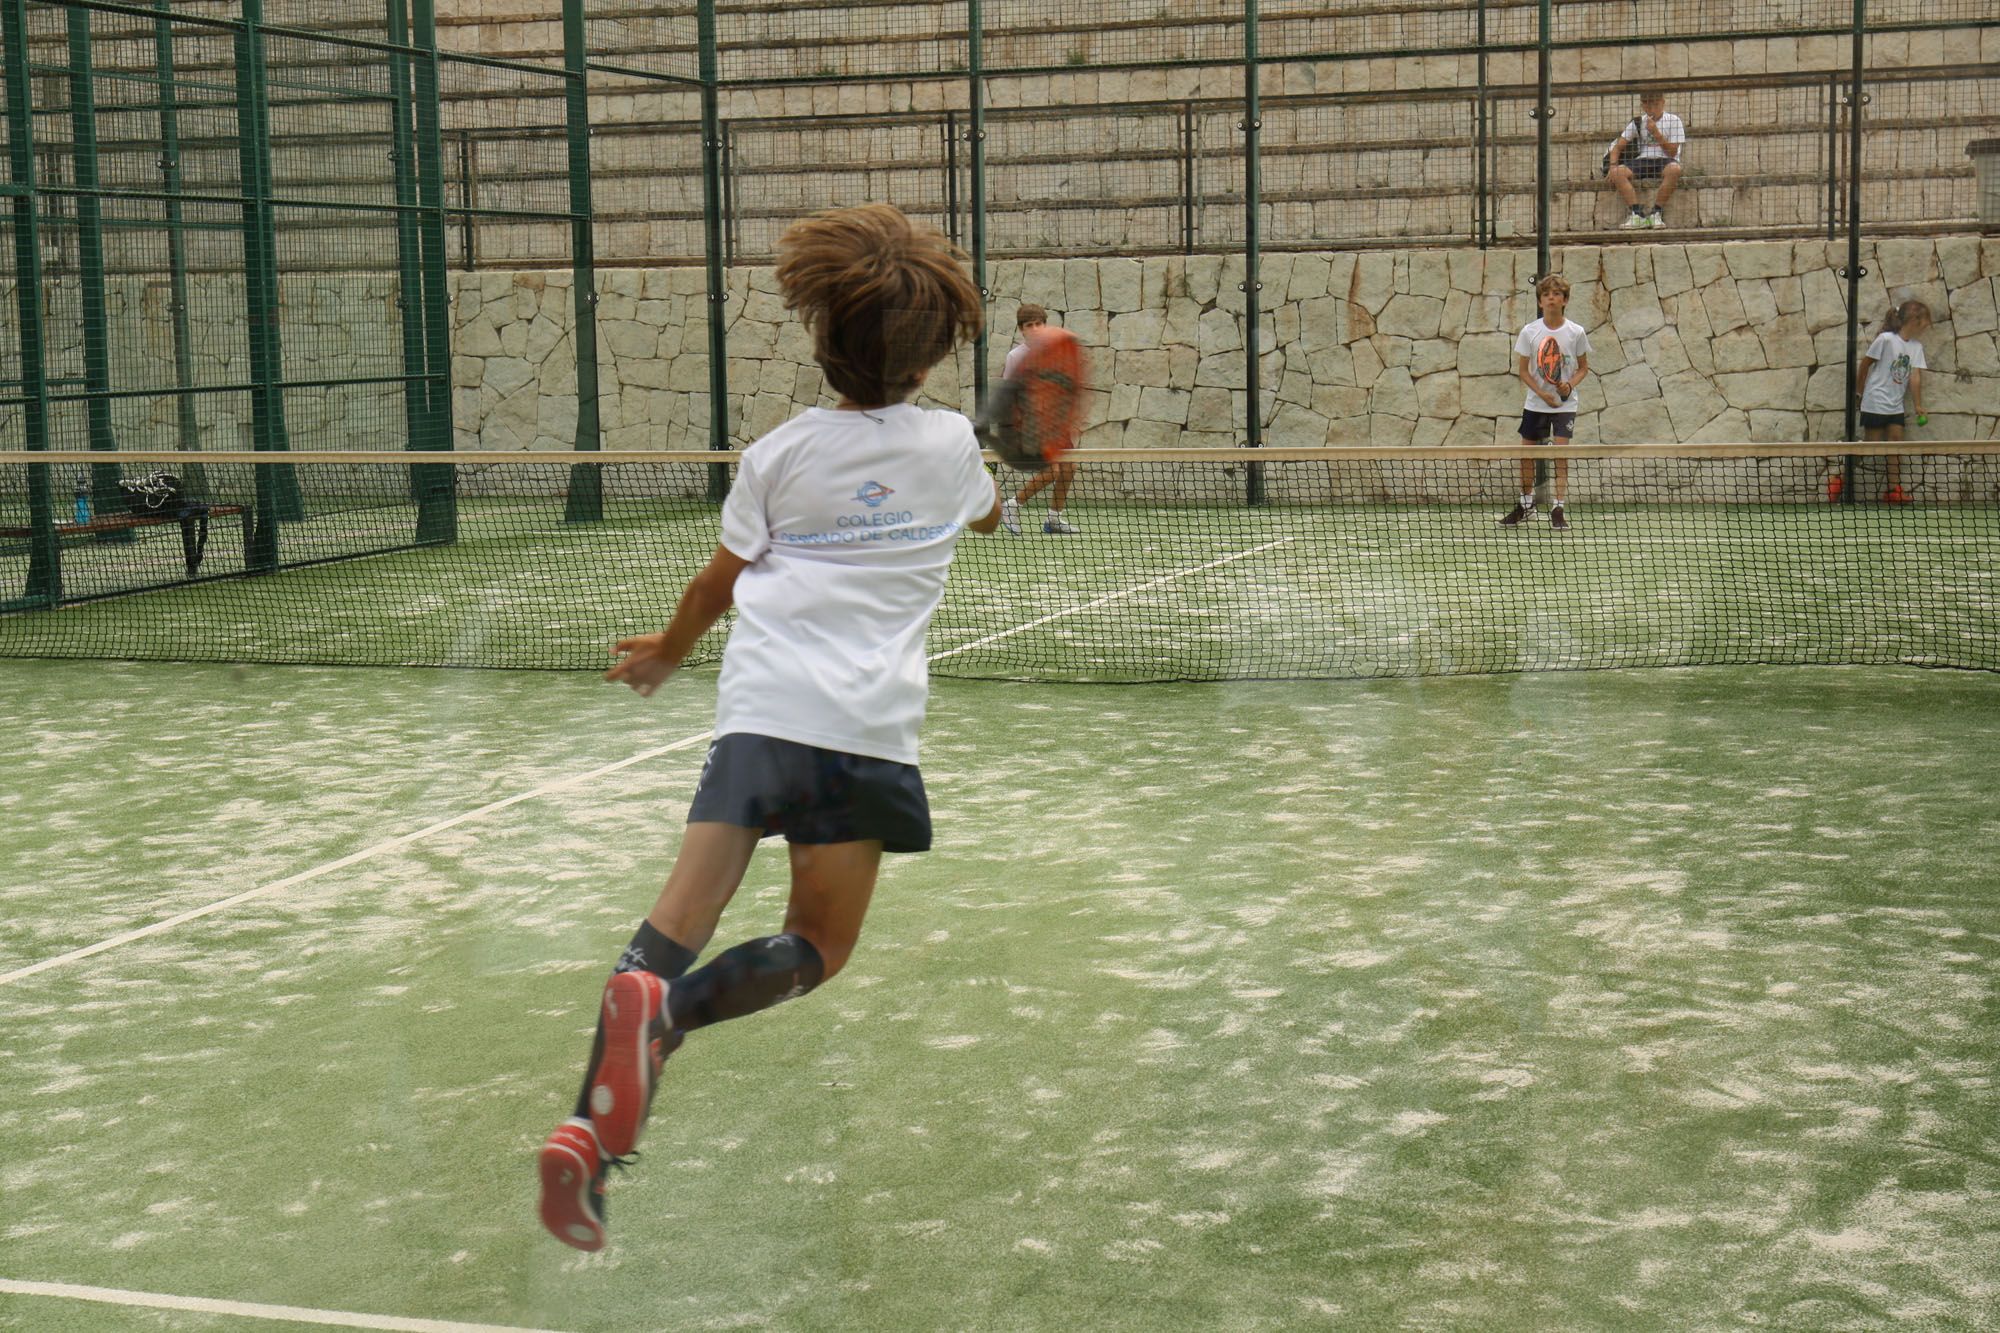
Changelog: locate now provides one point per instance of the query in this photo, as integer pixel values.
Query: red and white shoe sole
(624, 1083)
(566, 1182)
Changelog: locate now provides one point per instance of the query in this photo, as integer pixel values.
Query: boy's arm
(1917, 391)
(1861, 375)
(1582, 369)
(646, 661)
(985, 526)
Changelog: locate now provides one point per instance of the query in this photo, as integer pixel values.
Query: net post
(975, 134)
(436, 484)
(1253, 201)
(44, 581)
(584, 502)
(187, 424)
(90, 267)
(711, 208)
(278, 497)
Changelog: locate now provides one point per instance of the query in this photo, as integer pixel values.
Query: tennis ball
(1923, 420)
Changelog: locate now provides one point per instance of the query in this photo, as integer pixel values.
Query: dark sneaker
(572, 1169)
(1521, 514)
(1558, 519)
(636, 1043)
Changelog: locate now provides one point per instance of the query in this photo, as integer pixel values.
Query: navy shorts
(812, 795)
(1646, 168)
(1877, 420)
(1539, 426)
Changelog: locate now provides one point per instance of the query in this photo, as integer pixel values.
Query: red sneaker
(1895, 495)
(636, 1043)
(572, 1167)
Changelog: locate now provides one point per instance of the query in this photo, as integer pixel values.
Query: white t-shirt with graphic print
(849, 521)
(1552, 356)
(1889, 378)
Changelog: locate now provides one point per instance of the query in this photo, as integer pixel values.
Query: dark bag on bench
(155, 495)
(1632, 146)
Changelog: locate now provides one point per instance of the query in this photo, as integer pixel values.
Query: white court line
(392, 844)
(1100, 601)
(352, 858)
(249, 1310)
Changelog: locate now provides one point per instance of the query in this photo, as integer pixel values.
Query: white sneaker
(1634, 221)
(1656, 220)
(1010, 516)
(1056, 525)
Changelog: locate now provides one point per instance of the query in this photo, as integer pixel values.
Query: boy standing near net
(836, 539)
(1031, 316)
(1551, 356)
(1891, 370)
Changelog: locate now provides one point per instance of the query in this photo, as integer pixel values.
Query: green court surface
(1634, 1000)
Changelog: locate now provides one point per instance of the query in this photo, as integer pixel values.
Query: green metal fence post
(1253, 202)
(409, 241)
(718, 289)
(1857, 98)
(1544, 116)
(90, 269)
(278, 499)
(586, 484)
(44, 582)
(436, 483)
(975, 138)
(189, 428)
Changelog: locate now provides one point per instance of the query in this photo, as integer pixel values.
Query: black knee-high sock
(649, 951)
(754, 975)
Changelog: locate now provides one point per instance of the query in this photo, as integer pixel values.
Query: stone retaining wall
(1693, 343)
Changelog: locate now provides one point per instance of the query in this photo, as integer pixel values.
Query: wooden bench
(193, 518)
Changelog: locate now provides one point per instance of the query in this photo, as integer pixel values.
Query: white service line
(249, 1310)
(368, 853)
(1108, 597)
(352, 858)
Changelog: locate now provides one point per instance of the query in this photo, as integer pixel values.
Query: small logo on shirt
(873, 493)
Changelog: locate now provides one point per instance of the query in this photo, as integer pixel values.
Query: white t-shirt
(1882, 391)
(1015, 356)
(849, 521)
(1671, 131)
(1552, 355)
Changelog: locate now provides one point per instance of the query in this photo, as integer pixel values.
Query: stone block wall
(1699, 342)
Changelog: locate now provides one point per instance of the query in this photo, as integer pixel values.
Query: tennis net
(1186, 564)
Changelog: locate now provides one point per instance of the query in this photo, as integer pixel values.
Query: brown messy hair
(1554, 282)
(885, 299)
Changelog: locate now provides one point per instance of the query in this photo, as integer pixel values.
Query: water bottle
(82, 502)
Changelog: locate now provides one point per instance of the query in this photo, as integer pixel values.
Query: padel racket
(1033, 417)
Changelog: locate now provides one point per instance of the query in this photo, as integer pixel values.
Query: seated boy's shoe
(1895, 495)
(1010, 516)
(1656, 220)
(1558, 519)
(1058, 526)
(572, 1169)
(636, 1043)
(1517, 516)
(1634, 221)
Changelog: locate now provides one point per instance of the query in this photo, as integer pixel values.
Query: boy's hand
(643, 664)
(1550, 399)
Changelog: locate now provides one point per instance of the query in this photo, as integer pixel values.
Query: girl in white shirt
(836, 539)
(1891, 370)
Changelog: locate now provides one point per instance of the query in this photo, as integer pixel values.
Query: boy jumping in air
(836, 538)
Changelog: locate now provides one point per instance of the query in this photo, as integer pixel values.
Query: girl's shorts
(812, 795)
